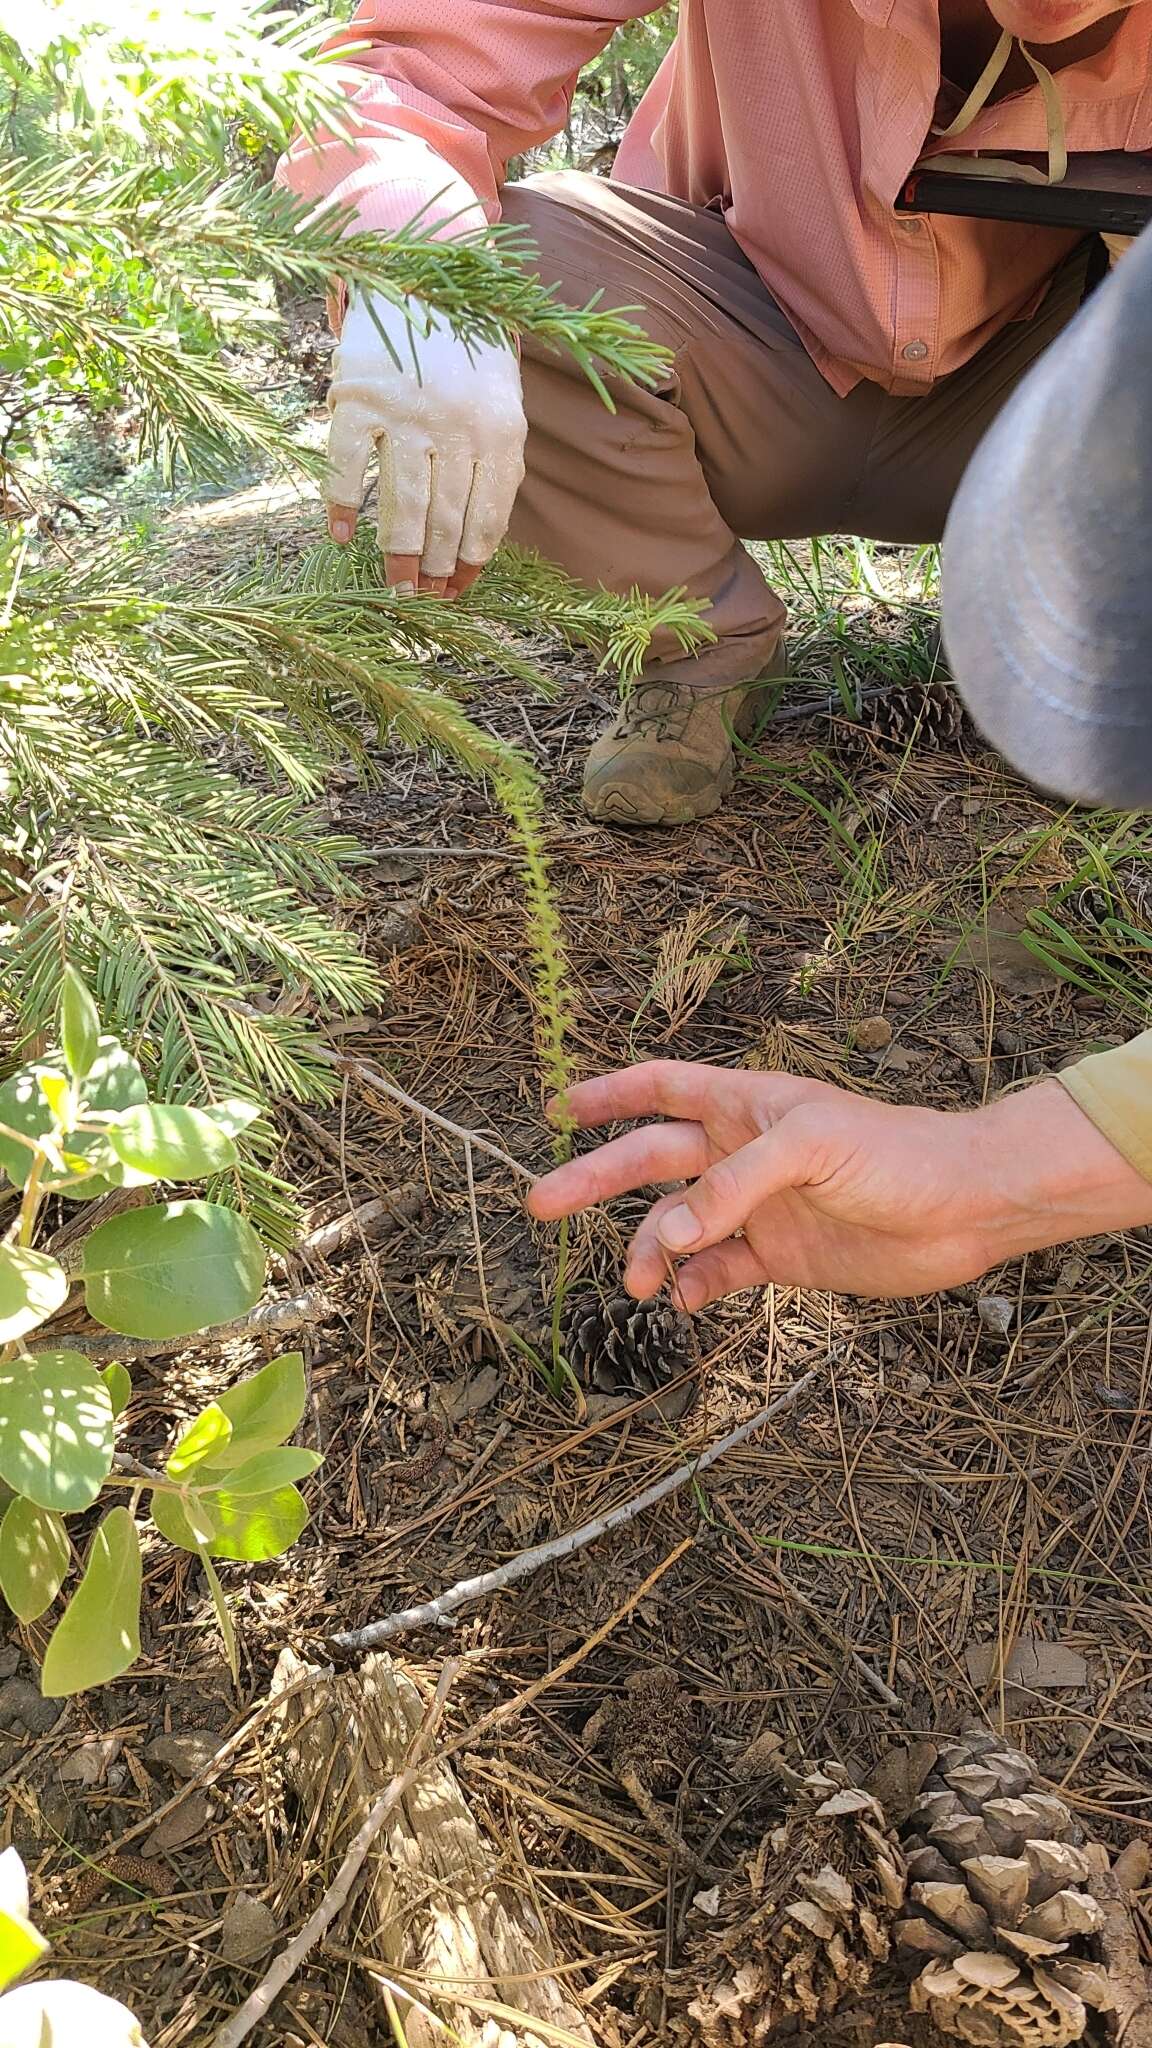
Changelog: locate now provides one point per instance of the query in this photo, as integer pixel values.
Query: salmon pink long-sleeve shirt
(802, 119)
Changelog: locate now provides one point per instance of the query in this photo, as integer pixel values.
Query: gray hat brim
(1047, 572)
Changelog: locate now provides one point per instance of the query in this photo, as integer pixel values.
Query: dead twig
(367, 1220)
(370, 1077)
(435, 1612)
(269, 1319)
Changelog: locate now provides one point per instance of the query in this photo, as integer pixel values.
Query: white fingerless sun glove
(446, 420)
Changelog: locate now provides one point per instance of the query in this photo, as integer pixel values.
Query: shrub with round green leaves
(78, 1124)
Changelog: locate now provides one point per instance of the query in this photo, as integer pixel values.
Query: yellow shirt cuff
(1114, 1089)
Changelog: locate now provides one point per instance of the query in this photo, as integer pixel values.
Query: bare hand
(809, 1186)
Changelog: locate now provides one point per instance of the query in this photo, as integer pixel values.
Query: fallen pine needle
(433, 1613)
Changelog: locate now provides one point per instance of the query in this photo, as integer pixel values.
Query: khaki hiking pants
(743, 439)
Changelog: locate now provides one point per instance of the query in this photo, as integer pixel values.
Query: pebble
(247, 1929)
(185, 1755)
(997, 1313)
(22, 1711)
(182, 1825)
(872, 1034)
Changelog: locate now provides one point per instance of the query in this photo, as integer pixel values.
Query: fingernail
(679, 1229)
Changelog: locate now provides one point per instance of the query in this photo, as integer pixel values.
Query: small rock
(996, 1313)
(182, 1825)
(88, 1765)
(466, 1397)
(23, 1712)
(901, 1059)
(247, 1929)
(9, 1660)
(185, 1755)
(707, 1902)
(872, 1034)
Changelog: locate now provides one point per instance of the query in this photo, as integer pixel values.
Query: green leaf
(32, 1288)
(259, 1526)
(119, 1385)
(56, 1430)
(265, 1472)
(263, 1410)
(167, 1271)
(20, 1947)
(171, 1140)
(57, 1092)
(223, 1616)
(34, 1554)
(113, 1082)
(233, 1115)
(185, 1519)
(79, 1025)
(98, 1635)
(210, 1429)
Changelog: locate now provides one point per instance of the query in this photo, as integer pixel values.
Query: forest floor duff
(966, 1478)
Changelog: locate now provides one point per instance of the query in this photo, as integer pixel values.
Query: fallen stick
(369, 1220)
(256, 2006)
(435, 1612)
(269, 1319)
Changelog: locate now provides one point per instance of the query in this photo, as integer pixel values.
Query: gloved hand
(446, 419)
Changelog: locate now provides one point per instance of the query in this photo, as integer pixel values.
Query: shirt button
(910, 227)
(914, 351)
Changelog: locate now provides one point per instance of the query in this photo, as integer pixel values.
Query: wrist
(1050, 1175)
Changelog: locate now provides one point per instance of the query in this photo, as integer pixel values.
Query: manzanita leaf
(267, 1471)
(113, 1082)
(56, 1430)
(98, 1635)
(116, 1379)
(32, 1288)
(259, 1526)
(186, 1519)
(79, 1025)
(172, 1141)
(34, 1555)
(251, 1528)
(263, 1410)
(233, 1115)
(208, 1433)
(167, 1271)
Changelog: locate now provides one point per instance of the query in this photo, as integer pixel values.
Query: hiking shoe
(668, 758)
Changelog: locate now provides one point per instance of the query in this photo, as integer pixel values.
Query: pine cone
(999, 1903)
(921, 714)
(632, 1348)
(808, 1925)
